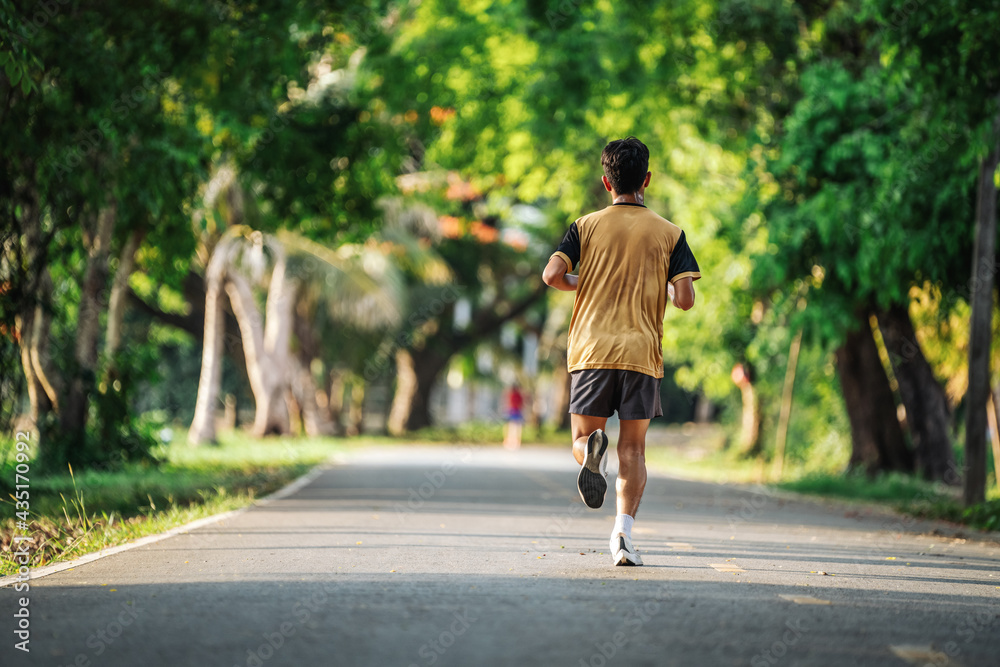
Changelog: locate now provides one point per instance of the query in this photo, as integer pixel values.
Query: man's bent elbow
(683, 294)
(553, 272)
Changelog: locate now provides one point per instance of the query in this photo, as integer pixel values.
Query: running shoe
(592, 481)
(622, 551)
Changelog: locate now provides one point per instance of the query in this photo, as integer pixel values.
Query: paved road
(418, 556)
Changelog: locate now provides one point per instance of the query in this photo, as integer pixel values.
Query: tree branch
(193, 322)
(487, 320)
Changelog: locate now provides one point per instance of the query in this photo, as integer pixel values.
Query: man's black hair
(625, 163)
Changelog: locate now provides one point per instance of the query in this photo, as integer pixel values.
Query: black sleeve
(682, 261)
(570, 245)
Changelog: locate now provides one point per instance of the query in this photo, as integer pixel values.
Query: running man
(630, 262)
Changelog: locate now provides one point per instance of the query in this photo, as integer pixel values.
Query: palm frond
(357, 284)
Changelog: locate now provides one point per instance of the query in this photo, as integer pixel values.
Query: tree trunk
(34, 326)
(993, 415)
(787, 394)
(428, 365)
(411, 403)
(750, 423)
(267, 379)
(34, 320)
(196, 297)
(119, 291)
(265, 343)
(923, 397)
(877, 438)
(33, 335)
(294, 412)
(406, 388)
(313, 401)
(24, 326)
(750, 426)
(416, 373)
(73, 417)
(560, 395)
(315, 414)
(356, 411)
(335, 397)
(980, 324)
(203, 425)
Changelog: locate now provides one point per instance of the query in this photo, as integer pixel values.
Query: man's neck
(633, 198)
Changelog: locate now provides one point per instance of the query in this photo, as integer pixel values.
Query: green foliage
(493, 88)
(984, 516)
(135, 111)
(17, 57)
(869, 198)
(122, 436)
(819, 434)
(11, 382)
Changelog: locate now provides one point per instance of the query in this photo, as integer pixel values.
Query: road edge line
(295, 485)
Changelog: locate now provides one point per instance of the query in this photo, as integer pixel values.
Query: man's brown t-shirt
(627, 254)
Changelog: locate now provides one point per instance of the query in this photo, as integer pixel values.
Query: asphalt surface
(451, 556)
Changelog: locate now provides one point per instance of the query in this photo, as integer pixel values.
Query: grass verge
(700, 454)
(903, 493)
(486, 433)
(702, 459)
(78, 513)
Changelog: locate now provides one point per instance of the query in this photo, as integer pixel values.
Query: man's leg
(582, 426)
(590, 448)
(631, 465)
(630, 485)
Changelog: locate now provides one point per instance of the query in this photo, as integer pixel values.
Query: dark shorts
(598, 392)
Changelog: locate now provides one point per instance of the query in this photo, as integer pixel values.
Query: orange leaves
(440, 115)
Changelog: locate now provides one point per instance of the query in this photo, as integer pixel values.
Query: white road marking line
(803, 599)
(923, 655)
(722, 567)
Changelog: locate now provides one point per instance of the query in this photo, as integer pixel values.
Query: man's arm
(681, 292)
(555, 275)
(682, 274)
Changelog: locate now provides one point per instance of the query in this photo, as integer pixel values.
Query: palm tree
(354, 284)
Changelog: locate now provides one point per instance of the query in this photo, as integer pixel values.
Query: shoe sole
(591, 484)
(623, 560)
(622, 557)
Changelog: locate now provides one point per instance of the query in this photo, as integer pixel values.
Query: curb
(283, 492)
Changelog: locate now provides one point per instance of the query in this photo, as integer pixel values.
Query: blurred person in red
(515, 417)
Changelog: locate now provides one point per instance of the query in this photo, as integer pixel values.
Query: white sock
(623, 524)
